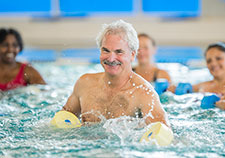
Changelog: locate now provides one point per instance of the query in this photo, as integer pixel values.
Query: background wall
(77, 32)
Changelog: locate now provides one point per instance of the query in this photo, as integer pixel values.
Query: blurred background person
(215, 61)
(146, 66)
(14, 74)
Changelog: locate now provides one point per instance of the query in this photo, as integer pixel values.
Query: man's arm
(152, 110)
(73, 103)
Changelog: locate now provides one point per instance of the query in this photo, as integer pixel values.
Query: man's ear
(133, 54)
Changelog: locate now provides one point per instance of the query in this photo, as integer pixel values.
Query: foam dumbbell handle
(161, 86)
(183, 88)
(209, 101)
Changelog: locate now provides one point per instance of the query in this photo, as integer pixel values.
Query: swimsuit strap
(155, 75)
(20, 76)
(17, 81)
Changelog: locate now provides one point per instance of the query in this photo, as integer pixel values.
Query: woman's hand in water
(221, 103)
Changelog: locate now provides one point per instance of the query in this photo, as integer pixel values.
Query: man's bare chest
(96, 105)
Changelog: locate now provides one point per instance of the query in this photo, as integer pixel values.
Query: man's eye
(119, 51)
(105, 50)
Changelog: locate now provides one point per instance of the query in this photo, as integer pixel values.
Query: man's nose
(112, 56)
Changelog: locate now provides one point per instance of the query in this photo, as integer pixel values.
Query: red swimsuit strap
(20, 76)
(17, 81)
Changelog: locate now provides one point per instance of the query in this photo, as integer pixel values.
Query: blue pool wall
(165, 54)
(85, 8)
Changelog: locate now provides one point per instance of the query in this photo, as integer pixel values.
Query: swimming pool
(25, 114)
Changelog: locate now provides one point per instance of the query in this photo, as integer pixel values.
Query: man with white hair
(117, 91)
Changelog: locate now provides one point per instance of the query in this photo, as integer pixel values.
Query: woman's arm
(32, 76)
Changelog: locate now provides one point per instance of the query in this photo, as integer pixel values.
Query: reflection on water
(25, 114)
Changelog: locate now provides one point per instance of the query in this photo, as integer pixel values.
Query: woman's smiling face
(215, 60)
(9, 49)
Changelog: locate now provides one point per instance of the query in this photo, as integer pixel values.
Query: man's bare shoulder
(91, 76)
(89, 79)
(143, 89)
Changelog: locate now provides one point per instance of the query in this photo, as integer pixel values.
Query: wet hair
(5, 32)
(122, 28)
(147, 36)
(219, 45)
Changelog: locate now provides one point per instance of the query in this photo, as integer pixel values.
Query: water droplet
(133, 84)
(109, 82)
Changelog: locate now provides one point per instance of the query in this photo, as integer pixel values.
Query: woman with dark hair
(14, 74)
(215, 61)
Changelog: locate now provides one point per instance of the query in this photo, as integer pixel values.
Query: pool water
(25, 114)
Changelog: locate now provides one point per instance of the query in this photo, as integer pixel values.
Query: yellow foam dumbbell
(65, 119)
(158, 133)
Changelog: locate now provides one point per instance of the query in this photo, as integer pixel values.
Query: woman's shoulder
(205, 83)
(21, 65)
(202, 86)
(160, 73)
(28, 68)
(139, 81)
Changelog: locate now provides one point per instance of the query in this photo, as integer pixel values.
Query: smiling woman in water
(14, 74)
(215, 61)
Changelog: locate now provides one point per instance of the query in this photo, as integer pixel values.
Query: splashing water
(25, 114)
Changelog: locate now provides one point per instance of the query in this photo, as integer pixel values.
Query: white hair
(120, 27)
